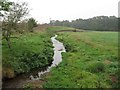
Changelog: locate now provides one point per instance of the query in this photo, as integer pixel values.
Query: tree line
(101, 23)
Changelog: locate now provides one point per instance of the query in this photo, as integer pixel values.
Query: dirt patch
(41, 28)
(78, 39)
(107, 62)
(114, 78)
(37, 83)
(8, 72)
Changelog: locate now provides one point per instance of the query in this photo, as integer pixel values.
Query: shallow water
(20, 80)
(58, 49)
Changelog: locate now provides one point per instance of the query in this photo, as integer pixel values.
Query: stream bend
(57, 58)
(21, 80)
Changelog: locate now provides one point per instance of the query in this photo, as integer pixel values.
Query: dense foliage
(31, 24)
(4, 6)
(102, 23)
(29, 51)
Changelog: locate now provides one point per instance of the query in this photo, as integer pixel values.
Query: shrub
(32, 60)
(31, 24)
(96, 67)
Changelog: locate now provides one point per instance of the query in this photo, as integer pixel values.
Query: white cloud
(43, 10)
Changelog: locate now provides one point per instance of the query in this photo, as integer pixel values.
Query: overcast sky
(43, 10)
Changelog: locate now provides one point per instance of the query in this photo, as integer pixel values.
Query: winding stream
(20, 80)
(57, 58)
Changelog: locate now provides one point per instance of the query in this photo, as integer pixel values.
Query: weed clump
(96, 67)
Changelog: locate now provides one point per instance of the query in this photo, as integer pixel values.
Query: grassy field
(53, 29)
(57, 28)
(29, 51)
(91, 61)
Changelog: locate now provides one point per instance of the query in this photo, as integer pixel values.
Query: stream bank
(36, 76)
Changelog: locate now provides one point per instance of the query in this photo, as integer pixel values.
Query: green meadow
(91, 61)
(64, 50)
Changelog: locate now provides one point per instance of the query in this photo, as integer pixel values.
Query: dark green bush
(32, 60)
(96, 67)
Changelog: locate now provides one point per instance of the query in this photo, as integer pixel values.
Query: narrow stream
(57, 58)
(20, 80)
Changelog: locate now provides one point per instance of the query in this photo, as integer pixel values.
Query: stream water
(20, 80)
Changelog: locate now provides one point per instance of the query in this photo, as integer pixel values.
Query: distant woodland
(101, 23)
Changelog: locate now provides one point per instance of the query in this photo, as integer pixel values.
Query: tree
(4, 6)
(14, 14)
(31, 24)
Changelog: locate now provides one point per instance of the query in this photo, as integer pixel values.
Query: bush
(31, 24)
(32, 60)
(96, 67)
(70, 47)
(35, 60)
